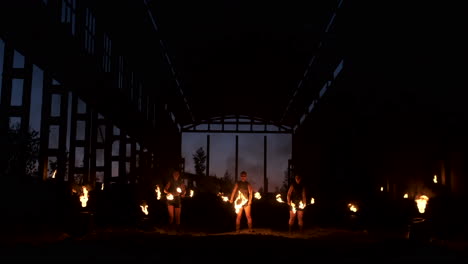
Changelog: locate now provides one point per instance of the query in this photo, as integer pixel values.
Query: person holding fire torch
(174, 190)
(296, 198)
(242, 193)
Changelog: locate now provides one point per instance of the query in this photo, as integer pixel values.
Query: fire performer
(243, 201)
(174, 190)
(296, 198)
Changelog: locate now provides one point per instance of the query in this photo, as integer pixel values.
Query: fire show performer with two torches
(174, 190)
(297, 201)
(243, 201)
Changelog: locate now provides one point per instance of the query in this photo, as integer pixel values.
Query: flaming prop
(421, 202)
(102, 187)
(239, 202)
(84, 197)
(405, 196)
(144, 208)
(223, 197)
(352, 207)
(170, 197)
(293, 207)
(191, 193)
(179, 190)
(158, 192)
(435, 179)
(312, 200)
(258, 196)
(278, 198)
(53, 174)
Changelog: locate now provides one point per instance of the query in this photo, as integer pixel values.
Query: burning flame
(179, 190)
(257, 195)
(84, 197)
(301, 205)
(223, 197)
(191, 193)
(102, 186)
(381, 188)
(293, 207)
(352, 207)
(405, 196)
(239, 202)
(421, 202)
(278, 198)
(312, 200)
(435, 179)
(170, 197)
(53, 174)
(144, 209)
(158, 192)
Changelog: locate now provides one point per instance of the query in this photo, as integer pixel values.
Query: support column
(207, 155)
(237, 159)
(265, 163)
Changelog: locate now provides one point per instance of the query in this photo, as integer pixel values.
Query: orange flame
(144, 209)
(170, 197)
(53, 174)
(352, 207)
(421, 202)
(257, 195)
(158, 192)
(278, 198)
(191, 193)
(84, 197)
(239, 202)
(312, 200)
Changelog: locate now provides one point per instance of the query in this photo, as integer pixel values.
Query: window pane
(18, 60)
(79, 157)
(81, 107)
(15, 122)
(80, 130)
(115, 169)
(55, 107)
(99, 157)
(36, 100)
(17, 92)
(115, 148)
(101, 134)
(54, 137)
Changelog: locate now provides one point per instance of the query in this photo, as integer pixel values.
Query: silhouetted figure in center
(174, 190)
(242, 193)
(297, 201)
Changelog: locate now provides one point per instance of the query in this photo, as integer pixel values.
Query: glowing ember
(239, 202)
(170, 197)
(191, 193)
(158, 192)
(257, 195)
(144, 209)
(179, 190)
(352, 207)
(312, 200)
(84, 197)
(435, 179)
(278, 198)
(53, 174)
(421, 202)
(405, 196)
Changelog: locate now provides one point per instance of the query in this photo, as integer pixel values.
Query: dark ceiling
(241, 57)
